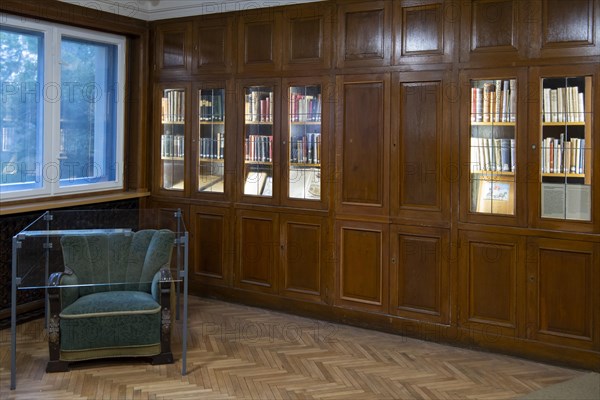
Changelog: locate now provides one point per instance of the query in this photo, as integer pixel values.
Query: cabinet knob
(283, 142)
(533, 147)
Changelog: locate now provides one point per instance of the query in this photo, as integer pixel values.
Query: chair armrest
(64, 295)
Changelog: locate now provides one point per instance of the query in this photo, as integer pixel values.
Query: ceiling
(152, 10)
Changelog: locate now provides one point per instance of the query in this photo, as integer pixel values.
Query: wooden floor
(239, 352)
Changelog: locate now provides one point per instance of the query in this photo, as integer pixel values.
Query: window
(61, 113)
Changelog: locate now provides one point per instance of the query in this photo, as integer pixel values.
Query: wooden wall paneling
(420, 273)
(563, 300)
(173, 54)
(362, 144)
(259, 40)
(213, 44)
(258, 251)
(492, 283)
(302, 256)
(492, 32)
(364, 34)
(210, 242)
(565, 28)
(307, 41)
(420, 178)
(362, 272)
(425, 31)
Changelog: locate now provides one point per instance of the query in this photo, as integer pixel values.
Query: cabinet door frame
(521, 205)
(230, 141)
(157, 178)
(533, 175)
(327, 101)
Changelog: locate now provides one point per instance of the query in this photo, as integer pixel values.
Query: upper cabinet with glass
(211, 140)
(304, 142)
(172, 139)
(565, 144)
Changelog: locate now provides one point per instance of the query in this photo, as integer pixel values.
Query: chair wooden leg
(162, 358)
(57, 366)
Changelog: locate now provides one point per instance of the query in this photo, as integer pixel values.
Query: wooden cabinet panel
(211, 249)
(307, 36)
(259, 41)
(364, 34)
(213, 42)
(491, 283)
(363, 143)
(419, 188)
(419, 273)
(362, 273)
(173, 44)
(563, 302)
(425, 31)
(491, 31)
(258, 250)
(302, 242)
(566, 28)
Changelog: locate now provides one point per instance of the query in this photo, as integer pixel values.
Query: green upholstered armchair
(113, 298)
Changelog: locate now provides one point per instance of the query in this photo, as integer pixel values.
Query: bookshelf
(172, 139)
(211, 140)
(493, 145)
(259, 110)
(304, 142)
(565, 147)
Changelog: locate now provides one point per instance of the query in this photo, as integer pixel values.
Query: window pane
(21, 118)
(88, 112)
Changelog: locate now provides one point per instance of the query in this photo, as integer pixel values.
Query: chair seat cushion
(110, 320)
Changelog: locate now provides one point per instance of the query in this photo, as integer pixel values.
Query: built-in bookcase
(211, 140)
(172, 139)
(304, 142)
(259, 110)
(493, 145)
(565, 147)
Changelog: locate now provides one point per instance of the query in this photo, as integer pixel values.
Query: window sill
(23, 207)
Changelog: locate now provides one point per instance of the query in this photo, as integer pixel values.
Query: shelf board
(166, 158)
(214, 160)
(305, 123)
(562, 175)
(493, 123)
(258, 162)
(211, 122)
(500, 173)
(258, 122)
(172, 122)
(298, 164)
(563, 123)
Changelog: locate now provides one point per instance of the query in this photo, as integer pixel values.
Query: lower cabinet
(362, 265)
(491, 290)
(420, 273)
(563, 292)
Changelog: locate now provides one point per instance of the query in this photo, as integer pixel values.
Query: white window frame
(50, 97)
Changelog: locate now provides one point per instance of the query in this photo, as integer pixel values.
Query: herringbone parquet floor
(240, 352)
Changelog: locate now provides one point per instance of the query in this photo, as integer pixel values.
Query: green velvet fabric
(117, 305)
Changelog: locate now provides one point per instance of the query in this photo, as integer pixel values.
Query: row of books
(213, 148)
(493, 155)
(211, 107)
(173, 106)
(306, 149)
(495, 101)
(564, 104)
(305, 108)
(259, 148)
(171, 146)
(258, 106)
(561, 156)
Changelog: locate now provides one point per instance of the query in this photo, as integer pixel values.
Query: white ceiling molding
(152, 10)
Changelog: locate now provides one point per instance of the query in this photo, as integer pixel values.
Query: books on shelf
(173, 106)
(259, 148)
(255, 183)
(211, 108)
(494, 101)
(306, 149)
(560, 156)
(258, 106)
(493, 155)
(171, 145)
(564, 104)
(213, 147)
(305, 108)
(305, 183)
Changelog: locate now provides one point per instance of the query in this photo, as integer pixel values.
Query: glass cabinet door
(565, 148)
(258, 141)
(211, 140)
(493, 146)
(172, 139)
(304, 150)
